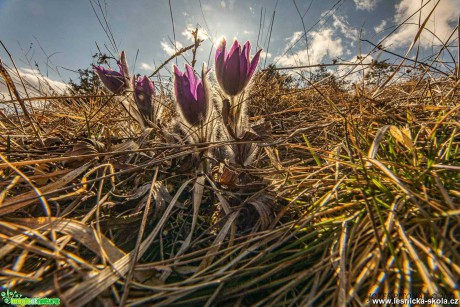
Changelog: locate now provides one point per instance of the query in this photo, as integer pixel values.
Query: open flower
(144, 94)
(192, 95)
(234, 69)
(115, 81)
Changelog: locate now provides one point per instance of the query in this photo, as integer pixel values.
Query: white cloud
(145, 66)
(264, 54)
(322, 44)
(36, 85)
(169, 48)
(441, 22)
(367, 5)
(292, 40)
(362, 67)
(34, 77)
(295, 37)
(202, 33)
(342, 25)
(379, 28)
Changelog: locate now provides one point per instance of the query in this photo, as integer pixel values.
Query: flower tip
(189, 71)
(101, 71)
(247, 44)
(235, 47)
(221, 42)
(123, 58)
(177, 72)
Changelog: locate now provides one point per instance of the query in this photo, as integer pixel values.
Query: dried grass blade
(25, 199)
(139, 240)
(217, 243)
(79, 232)
(78, 295)
(198, 189)
(422, 270)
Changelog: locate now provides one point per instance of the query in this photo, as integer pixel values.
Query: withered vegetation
(354, 192)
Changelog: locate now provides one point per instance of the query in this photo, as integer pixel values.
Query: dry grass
(355, 193)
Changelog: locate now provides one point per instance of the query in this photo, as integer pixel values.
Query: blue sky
(63, 33)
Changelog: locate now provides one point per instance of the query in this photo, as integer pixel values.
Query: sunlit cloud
(367, 5)
(169, 48)
(380, 27)
(322, 44)
(202, 33)
(145, 66)
(292, 40)
(364, 67)
(441, 22)
(344, 27)
(35, 80)
(36, 84)
(295, 37)
(264, 55)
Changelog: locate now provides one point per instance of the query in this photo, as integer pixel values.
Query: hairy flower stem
(203, 167)
(238, 120)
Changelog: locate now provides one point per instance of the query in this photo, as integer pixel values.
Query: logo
(8, 296)
(15, 298)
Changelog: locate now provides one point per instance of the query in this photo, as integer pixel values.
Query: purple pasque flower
(192, 95)
(144, 95)
(115, 81)
(123, 65)
(234, 69)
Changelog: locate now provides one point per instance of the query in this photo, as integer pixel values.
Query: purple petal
(191, 100)
(177, 72)
(112, 80)
(235, 47)
(149, 86)
(220, 62)
(144, 93)
(246, 51)
(200, 107)
(231, 77)
(244, 66)
(181, 87)
(187, 94)
(178, 84)
(234, 69)
(254, 62)
(220, 51)
(123, 65)
(184, 96)
(192, 79)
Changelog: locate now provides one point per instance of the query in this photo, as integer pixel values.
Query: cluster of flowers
(233, 70)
